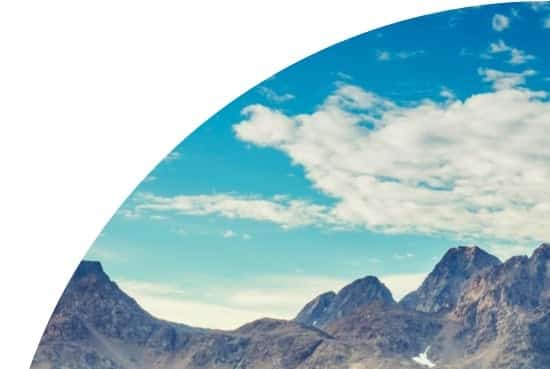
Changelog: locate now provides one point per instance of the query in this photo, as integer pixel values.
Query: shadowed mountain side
(329, 307)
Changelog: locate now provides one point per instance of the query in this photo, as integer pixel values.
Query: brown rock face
(443, 286)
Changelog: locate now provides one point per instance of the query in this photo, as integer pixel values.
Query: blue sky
(372, 157)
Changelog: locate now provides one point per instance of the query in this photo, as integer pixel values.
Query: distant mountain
(471, 312)
(443, 286)
(329, 306)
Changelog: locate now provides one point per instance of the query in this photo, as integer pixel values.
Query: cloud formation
(500, 22)
(517, 56)
(281, 210)
(385, 55)
(274, 96)
(505, 80)
(473, 167)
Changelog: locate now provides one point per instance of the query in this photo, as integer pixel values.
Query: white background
(94, 93)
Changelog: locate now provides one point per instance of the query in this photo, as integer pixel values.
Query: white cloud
(229, 234)
(283, 211)
(517, 56)
(500, 22)
(385, 55)
(274, 96)
(246, 236)
(547, 22)
(505, 80)
(478, 167)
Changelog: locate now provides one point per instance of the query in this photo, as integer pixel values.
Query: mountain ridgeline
(471, 312)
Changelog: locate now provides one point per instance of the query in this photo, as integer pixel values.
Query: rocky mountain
(443, 286)
(96, 325)
(329, 306)
(471, 312)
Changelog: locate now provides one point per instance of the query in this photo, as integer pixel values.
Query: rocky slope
(443, 286)
(329, 306)
(471, 312)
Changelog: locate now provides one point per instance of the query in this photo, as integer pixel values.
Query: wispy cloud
(546, 22)
(500, 22)
(286, 212)
(274, 96)
(386, 55)
(407, 255)
(517, 56)
(174, 155)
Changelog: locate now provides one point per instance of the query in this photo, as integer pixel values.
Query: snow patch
(422, 359)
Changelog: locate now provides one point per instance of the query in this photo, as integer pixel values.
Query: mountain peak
(87, 268)
(329, 306)
(543, 251)
(441, 289)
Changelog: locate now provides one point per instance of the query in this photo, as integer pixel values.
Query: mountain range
(471, 312)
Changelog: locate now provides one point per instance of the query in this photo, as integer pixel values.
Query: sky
(371, 157)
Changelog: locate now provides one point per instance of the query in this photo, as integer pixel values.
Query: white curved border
(93, 94)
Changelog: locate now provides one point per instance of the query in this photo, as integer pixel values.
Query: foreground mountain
(471, 312)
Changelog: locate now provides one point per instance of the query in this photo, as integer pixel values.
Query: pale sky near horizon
(372, 157)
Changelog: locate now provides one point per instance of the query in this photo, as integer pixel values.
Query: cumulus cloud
(517, 56)
(500, 22)
(505, 80)
(475, 167)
